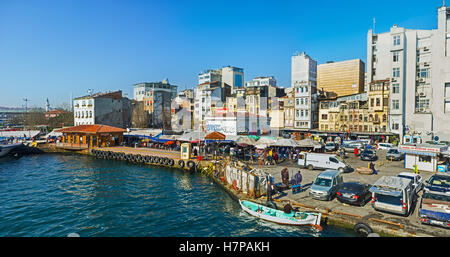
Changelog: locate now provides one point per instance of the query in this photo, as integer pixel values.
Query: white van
(384, 146)
(322, 161)
(393, 194)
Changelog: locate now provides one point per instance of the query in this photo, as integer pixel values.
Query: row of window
(369, 118)
(83, 114)
(83, 103)
(367, 128)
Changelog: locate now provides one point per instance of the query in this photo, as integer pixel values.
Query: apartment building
(417, 63)
(304, 84)
(108, 108)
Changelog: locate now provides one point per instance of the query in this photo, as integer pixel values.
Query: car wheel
(310, 167)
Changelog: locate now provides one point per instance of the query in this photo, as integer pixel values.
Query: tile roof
(96, 128)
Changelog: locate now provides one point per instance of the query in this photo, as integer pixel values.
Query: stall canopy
(215, 136)
(192, 136)
(309, 143)
(285, 142)
(244, 141)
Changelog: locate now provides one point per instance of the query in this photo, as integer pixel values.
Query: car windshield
(323, 182)
(367, 152)
(393, 151)
(329, 144)
(408, 177)
(389, 199)
(440, 181)
(444, 198)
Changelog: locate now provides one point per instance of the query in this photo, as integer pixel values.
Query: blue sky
(55, 48)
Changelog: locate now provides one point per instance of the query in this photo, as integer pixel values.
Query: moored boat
(6, 148)
(277, 216)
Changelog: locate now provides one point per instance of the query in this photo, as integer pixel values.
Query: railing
(74, 146)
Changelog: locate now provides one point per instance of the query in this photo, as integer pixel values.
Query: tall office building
(343, 78)
(417, 62)
(304, 84)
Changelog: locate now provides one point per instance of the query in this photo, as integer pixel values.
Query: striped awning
(417, 152)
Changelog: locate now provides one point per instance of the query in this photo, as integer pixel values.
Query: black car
(354, 193)
(368, 155)
(439, 183)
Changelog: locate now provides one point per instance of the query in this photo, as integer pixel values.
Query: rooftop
(96, 128)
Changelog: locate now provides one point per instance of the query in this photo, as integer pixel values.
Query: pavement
(383, 167)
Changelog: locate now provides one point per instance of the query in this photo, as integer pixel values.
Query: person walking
(355, 151)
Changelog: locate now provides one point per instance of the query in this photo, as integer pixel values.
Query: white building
(237, 124)
(103, 108)
(233, 77)
(208, 97)
(304, 84)
(418, 64)
(262, 81)
(145, 89)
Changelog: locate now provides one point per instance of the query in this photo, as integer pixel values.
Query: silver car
(395, 155)
(330, 146)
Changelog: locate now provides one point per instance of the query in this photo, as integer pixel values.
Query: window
(424, 158)
(378, 101)
(395, 126)
(424, 73)
(395, 88)
(395, 57)
(396, 72)
(396, 40)
(395, 104)
(371, 102)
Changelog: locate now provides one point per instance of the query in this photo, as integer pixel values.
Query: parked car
(368, 155)
(415, 178)
(394, 154)
(322, 161)
(350, 147)
(354, 193)
(330, 146)
(393, 194)
(384, 146)
(326, 184)
(439, 183)
(434, 210)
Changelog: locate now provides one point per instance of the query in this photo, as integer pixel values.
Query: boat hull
(5, 149)
(272, 215)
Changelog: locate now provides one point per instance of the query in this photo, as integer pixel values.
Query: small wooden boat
(278, 216)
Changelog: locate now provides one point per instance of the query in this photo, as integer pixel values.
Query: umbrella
(266, 140)
(245, 140)
(254, 137)
(215, 136)
(285, 142)
(196, 135)
(309, 143)
(261, 146)
(169, 142)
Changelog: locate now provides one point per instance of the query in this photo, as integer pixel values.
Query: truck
(434, 209)
(322, 161)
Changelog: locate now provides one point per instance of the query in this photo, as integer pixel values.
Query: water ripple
(54, 195)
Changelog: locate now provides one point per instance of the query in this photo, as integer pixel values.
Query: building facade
(103, 108)
(417, 62)
(304, 84)
(343, 78)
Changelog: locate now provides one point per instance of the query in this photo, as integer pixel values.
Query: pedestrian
(416, 169)
(298, 178)
(372, 167)
(355, 151)
(285, 176)
(288, 208)
(269, 190)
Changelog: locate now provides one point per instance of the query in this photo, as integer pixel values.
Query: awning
(417, 152)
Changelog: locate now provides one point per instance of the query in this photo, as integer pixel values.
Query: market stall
(425, 156)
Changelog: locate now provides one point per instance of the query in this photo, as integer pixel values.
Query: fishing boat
(280, 217)
(6, 148)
